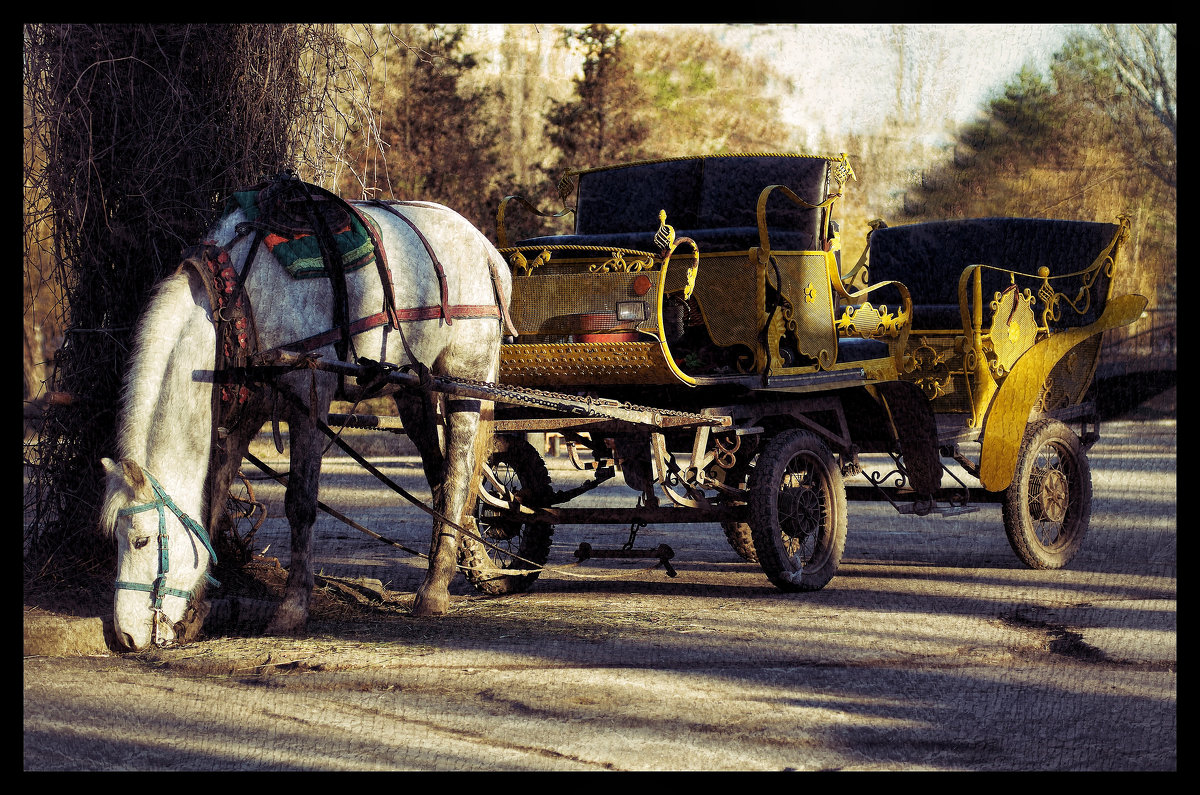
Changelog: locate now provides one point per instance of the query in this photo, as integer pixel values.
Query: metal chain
(552, 400)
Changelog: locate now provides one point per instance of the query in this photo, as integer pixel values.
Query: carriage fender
(1009, 413)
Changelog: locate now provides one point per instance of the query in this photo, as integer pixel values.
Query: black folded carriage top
(713, 200)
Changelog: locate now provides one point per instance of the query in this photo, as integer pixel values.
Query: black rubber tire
(798, 511)
(517, 464)
(1048, 505)
(741, 540)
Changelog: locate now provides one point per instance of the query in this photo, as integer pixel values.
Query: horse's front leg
(462, 425)
(300, 506)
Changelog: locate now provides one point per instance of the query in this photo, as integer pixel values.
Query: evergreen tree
(600, 125)
(1079, 144)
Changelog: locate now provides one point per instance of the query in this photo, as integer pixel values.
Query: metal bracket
(663, 552)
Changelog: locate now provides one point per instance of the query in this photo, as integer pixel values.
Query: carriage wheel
(798, 511)
(1048, 505)
(741, 540)
(511, 545)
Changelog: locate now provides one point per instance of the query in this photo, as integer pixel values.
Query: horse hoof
(429, 606)
(287, 622)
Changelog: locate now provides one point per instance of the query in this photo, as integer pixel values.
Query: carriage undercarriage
(774, 469)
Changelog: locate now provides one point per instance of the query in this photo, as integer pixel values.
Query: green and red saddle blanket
(290, 236)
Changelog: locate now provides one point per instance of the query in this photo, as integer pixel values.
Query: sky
(848, 72)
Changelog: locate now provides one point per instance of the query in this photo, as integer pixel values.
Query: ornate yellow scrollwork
(842, 171)
(617, 264)
(862, 321)
(522, 267)
(1014, 329)
(1052, 300)
(664, 238)
(868, 321)
(566, 185)
(931, 368)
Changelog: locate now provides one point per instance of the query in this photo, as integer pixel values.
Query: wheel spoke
(500, 531)
(1053, 494)
(802, 509)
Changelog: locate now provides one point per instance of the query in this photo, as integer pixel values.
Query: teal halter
(158, 589)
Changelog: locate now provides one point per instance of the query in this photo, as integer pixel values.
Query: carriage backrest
(732, 186)
(715, 198)
(929, 257)
(629, 198)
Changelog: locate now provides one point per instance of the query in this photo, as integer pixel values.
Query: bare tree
(135, 132)
(1144, 58)
(1141, 96)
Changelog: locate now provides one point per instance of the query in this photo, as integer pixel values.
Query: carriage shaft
(568, 404)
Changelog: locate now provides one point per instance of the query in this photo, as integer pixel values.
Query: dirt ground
(933, 649)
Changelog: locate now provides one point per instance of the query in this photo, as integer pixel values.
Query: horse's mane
(155, 341)
(118, 493)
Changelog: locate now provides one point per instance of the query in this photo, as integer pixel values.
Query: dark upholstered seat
(929, 258)
(712, 200)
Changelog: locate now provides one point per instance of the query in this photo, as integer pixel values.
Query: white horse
(160, 496)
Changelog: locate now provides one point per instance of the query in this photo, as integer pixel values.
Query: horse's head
(163, 556)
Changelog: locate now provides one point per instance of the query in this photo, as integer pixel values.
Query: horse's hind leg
(419, 417)
(460, 470)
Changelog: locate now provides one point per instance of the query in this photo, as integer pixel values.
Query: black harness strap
(335, 266)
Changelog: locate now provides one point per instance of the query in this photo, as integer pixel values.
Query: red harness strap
(378, 319)
(390, 206)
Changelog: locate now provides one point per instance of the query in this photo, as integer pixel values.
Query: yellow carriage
(714, 287)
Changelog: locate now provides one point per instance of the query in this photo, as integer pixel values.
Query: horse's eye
(138, 543)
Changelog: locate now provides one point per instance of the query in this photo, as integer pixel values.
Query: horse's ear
(133, 475)
(127, 470)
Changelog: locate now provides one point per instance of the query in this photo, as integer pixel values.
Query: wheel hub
(1053, 497)
(799, 511)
